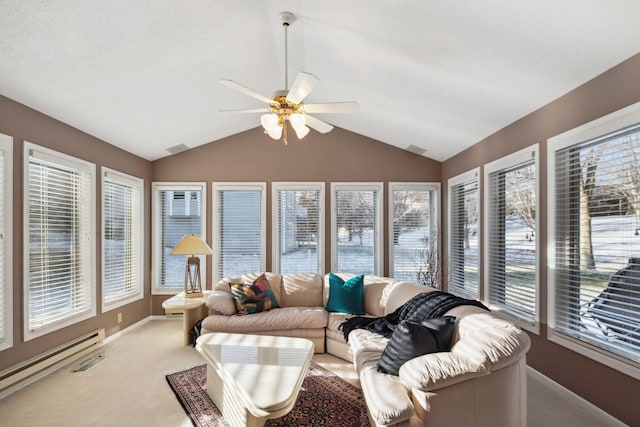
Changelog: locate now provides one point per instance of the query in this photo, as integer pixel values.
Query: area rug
(324, 400)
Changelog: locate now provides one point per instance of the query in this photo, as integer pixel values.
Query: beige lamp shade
(191, 245)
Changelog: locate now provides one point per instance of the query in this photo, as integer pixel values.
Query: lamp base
(192, 286)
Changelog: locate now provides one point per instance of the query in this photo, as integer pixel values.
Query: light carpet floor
(128, 388)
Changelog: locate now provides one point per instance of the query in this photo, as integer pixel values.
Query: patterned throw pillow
(255, 297)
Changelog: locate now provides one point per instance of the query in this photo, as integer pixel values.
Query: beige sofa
(480, 382)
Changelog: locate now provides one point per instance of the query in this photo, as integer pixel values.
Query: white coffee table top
(265, 371)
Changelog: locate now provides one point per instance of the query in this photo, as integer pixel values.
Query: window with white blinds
(413, 228)
(298, 232)
(464, 234)
(511, 270)
(356, 242)
(59, 244)
(122, 239)
(594, 235)
(178, 209)
(6, 231)
(239, 234)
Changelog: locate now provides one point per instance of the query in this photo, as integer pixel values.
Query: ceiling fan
(287, 106)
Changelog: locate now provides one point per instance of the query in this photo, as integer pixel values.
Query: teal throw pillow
(346, 297)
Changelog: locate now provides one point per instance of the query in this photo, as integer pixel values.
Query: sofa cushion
(301, 290)
(254, 298)
(277, 319)
(411, 339)
(221, 302)
(346, 296)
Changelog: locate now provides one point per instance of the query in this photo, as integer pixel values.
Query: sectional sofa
(480, 381)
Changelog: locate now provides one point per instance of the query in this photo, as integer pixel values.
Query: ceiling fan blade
(302, 86)
(251, 110)
(237, 86)
(318, 125)
(332, 107)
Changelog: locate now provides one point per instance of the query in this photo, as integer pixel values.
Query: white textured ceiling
(441, 75)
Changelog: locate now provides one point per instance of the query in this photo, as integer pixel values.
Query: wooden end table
(192, 309)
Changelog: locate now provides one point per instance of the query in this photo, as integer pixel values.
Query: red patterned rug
(325, 399)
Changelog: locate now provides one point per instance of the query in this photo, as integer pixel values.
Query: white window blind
(59, 226)
(464, 235)
(414, 232)
(6, 207)
(511, 235)
(297, 230)
(595, 283)
(178, 209)
(357, 222)
(122, 256)
(239, 228)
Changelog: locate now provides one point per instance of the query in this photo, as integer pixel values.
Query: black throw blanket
(427, 305)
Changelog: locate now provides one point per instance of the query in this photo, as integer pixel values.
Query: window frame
(463, 178)
(6, 145)
(156, 252)
(503, 164)
(217, 186)
(275, 232)
(89, 168)
(599, 127)
(137, 184)
(378, 238)
(435, 189)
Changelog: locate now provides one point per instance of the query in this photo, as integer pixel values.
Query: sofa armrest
(438, 370)
(387, 399)
(221, 302)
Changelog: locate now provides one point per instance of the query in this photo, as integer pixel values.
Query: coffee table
(252, 378)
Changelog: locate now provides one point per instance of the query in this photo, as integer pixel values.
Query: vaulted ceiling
(428, 75)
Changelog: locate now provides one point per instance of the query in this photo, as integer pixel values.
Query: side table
(192, 309)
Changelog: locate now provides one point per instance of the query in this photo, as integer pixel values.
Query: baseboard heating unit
(25, 373)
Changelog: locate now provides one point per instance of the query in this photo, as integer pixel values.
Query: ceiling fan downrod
(287, 18)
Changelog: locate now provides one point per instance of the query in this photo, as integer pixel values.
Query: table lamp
(192, 246)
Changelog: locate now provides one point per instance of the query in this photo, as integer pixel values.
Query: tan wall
(619, 87)
(334, 157)
(25, 124)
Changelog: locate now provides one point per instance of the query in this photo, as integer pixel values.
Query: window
(239, 228)
(59, 240)
(178, 209)
(356, 214)
(413, 214)
(594, 240)
(122, 239)
(464, 234)
(6, 232)
(298, 227)
(511, 261)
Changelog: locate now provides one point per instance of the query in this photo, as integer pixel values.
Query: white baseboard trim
(596, 413)
(118, 334)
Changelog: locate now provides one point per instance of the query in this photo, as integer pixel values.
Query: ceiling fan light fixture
(275, 131)
(301, 132)
(268, 121)
(297, 121)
